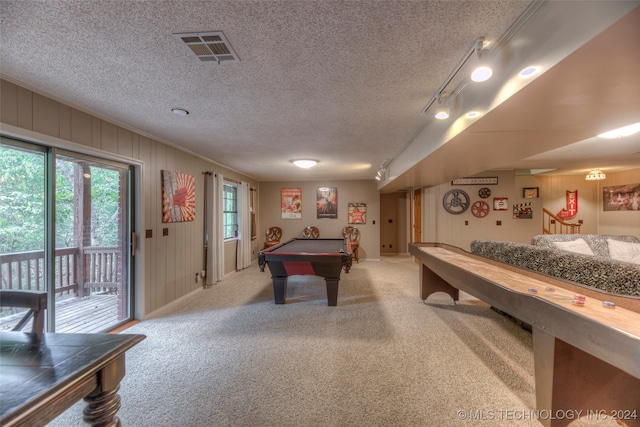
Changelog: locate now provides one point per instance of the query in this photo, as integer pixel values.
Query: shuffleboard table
(316, 257)
(586, 355)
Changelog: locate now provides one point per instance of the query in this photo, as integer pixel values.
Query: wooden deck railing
(100, 269)
(553, 224)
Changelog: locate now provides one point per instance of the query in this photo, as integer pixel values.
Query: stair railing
(553, 224)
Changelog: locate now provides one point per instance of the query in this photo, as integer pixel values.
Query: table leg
(104, 402)
(279, 289)
(431, 283)
(569, 379)
(332, 291)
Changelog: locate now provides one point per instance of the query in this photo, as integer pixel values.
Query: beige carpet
(228, 356)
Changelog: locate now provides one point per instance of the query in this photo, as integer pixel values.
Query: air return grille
(211, 46)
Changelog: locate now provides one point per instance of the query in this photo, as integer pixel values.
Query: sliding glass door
(64, 228)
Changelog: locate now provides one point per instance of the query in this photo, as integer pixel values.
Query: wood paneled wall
(166, 265)
(553, 190)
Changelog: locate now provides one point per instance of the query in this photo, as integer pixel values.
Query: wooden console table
(586, 358)
(38, 384)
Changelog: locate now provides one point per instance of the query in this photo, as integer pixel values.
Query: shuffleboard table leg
(431, 283)
(279, 289)
(571, 380)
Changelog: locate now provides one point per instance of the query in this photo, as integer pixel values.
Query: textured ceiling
(342, 82)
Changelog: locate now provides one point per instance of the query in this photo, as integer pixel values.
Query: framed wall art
(291, 203)
(357, 213)
(178, 197)
(327, 202)
(500, 203)
(530, 192)
(621, 198)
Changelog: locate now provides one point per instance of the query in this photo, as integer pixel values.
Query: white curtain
(214, 231)
(243, 256)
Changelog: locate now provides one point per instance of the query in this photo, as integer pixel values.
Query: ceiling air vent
(210, 46)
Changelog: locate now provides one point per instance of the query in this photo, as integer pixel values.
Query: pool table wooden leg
(279, 289)
(332, 291)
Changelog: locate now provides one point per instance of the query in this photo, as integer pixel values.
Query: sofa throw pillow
(624, 251)
(578, 246)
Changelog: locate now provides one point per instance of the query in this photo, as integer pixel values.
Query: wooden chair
(272, 237)
(310, 232)
(35, 302)
(353, 234)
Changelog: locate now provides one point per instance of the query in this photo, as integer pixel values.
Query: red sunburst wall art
(178, 197)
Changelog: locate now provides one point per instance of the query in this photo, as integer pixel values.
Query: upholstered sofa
(563, 256)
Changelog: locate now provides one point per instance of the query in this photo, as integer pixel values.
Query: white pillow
(624, 251)
(578, 246)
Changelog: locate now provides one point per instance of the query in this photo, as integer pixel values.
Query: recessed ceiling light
(528, 71)
(472, 114)
(621, 132)
(304, 164)
(180, 111)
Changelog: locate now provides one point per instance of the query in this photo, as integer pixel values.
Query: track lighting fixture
(482, 70)
(442, 110)
(382, 169)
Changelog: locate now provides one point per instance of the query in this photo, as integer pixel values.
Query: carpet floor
(228, 356)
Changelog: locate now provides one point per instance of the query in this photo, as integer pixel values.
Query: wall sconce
(595, 175)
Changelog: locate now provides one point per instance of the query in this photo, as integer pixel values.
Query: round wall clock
(480, 209)
(484, 192)
(456, 202)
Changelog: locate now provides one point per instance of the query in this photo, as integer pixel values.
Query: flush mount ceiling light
(482, 70)
(180, 111)
(621, 132)
(595, 175)
(304, 163)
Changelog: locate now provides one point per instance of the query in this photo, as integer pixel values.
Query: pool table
(316, 257)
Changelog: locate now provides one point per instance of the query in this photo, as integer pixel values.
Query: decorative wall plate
(456, 201)
(480, 209)
(484, 192)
